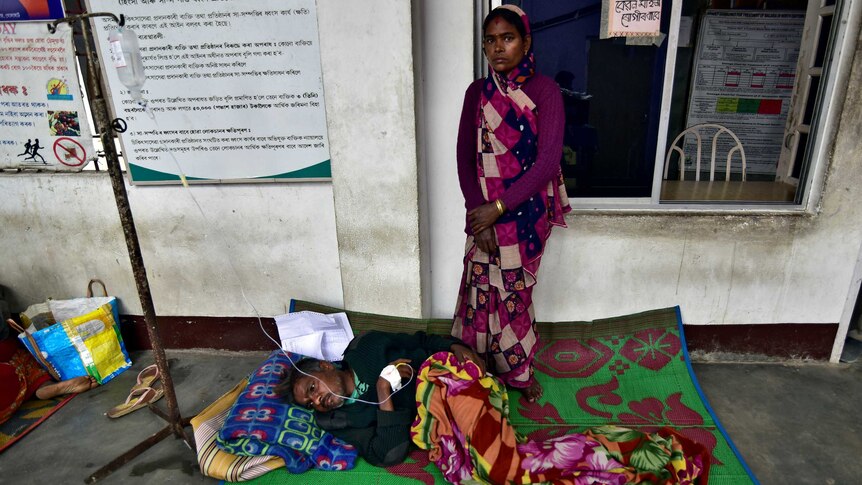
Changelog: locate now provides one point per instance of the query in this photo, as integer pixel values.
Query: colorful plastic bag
(85, 341)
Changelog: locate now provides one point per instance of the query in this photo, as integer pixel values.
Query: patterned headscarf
(527, 67)
(508, 129)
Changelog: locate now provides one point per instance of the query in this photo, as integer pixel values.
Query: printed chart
(744, 73)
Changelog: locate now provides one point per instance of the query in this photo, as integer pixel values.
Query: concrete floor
(793, 422)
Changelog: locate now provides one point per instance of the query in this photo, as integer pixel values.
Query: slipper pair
(142, 394)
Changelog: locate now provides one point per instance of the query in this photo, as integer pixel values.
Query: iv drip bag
(126, 56)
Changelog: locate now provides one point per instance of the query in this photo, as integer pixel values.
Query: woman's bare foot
(534, 391)
(69, 386)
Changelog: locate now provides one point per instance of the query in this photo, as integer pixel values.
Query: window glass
(612, 97)
(741, 77)
(823, 41)
(739, 73)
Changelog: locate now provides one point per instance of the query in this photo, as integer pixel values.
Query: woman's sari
(20, 376)
(494, 314)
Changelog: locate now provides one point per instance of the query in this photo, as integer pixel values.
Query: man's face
(319, 392)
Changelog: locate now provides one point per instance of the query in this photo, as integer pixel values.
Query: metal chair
(696, 131)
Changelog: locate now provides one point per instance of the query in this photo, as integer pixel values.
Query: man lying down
(392, 389)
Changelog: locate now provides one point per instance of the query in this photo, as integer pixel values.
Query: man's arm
(387, 443)
(428, 343)
(382, 439)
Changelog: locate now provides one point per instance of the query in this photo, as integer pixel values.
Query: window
(761, 70)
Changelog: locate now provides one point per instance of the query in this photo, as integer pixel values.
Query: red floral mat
(27, 417)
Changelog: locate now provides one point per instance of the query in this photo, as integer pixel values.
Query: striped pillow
(220, 464)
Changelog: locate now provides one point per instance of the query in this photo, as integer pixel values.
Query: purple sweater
(551, 121)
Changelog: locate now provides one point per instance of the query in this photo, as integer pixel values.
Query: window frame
(823, 128)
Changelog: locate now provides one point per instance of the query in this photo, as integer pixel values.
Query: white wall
(447, 69)
(367, 57)
(59, 230)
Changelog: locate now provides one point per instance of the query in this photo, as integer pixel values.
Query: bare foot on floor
(69, 386)
(534, 391)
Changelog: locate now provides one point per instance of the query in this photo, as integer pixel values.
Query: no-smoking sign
(69, 152)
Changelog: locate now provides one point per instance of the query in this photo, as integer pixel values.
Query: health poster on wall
(234, 91)
(20, 10)
(744, 73)
(43, 123)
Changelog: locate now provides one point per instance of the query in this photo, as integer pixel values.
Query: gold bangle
(500, 208)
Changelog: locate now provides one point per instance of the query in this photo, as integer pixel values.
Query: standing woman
(510, 141)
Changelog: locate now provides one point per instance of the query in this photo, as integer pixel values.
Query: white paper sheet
(315, 334)
(310, 345)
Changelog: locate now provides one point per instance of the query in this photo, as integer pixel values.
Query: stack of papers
(315, 334)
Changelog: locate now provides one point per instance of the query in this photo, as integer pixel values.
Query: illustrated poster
(44, 123)
(21, 10)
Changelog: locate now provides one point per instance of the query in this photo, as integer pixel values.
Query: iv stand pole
(105, 128)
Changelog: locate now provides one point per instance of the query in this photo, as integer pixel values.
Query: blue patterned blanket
(261, 423)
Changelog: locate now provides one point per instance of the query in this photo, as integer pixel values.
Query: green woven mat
(631, 371)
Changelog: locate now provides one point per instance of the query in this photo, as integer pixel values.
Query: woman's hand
(464, 353)
(486, 240)
(483, 217)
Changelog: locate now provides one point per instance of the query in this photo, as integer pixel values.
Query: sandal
(137, 399)
(146, 378)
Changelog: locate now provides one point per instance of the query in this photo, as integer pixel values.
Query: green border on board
(143, 174)
(322, 170)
